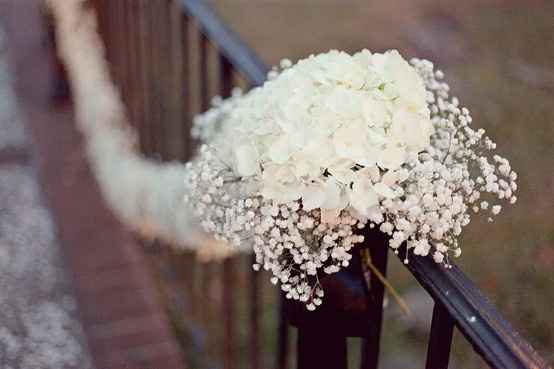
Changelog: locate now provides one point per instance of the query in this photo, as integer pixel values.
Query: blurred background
(497, 55)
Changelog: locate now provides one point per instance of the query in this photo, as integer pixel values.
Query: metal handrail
(479, 321)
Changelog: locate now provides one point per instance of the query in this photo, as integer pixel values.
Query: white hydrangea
(335, 143)
(306, 132)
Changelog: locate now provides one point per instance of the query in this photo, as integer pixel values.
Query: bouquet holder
(352, 307)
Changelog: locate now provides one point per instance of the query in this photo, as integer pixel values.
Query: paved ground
(118, 307)
(38, 324)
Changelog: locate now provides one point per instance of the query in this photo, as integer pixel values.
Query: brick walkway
(114, 299)
(38, 324)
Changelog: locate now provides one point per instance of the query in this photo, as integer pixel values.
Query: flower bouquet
(331, 145)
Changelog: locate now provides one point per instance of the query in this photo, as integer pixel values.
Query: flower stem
(366, 257)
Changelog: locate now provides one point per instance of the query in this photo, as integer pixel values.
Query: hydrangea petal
(246, 159)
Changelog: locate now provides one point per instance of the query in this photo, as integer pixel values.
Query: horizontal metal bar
(235, 50)
(490, 334)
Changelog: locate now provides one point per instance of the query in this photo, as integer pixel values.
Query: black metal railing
(152, 52)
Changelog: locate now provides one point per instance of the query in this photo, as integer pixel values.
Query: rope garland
(145, 195)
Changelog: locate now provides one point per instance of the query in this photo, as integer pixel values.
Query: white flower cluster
(336, 142)
(294, 244)
(305, 132)
(222, 202)
(440, 184)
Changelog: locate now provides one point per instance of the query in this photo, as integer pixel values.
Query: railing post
(322, 333)
(321, 348)
(183, 95)
(228, 314)
(204, 81)
(146, 77)
(254, 316)
(282, 333)
(226, 83)
(440, 339)
(132, 62)
(377, 244)
(60, 91)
